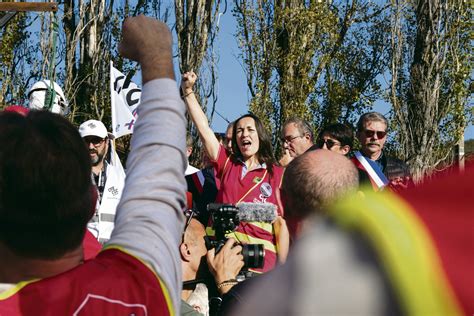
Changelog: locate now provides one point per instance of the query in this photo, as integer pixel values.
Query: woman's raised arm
(199, 118)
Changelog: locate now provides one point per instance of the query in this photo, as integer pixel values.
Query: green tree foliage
(88, 33)
(469, 147)
(314, 59)
(196, 29)
(430, 66)
(92, 33)
(14, 55)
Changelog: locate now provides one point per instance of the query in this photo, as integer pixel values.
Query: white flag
(124, 97)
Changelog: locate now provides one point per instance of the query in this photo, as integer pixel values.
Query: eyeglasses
(94, 140)
(290, 139)
(189, 214)
(371, 133)
(329, 143)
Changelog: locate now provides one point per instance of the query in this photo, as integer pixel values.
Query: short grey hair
(370, 117)
(303, 126)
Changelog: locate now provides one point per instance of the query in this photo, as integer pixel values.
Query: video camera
(226, 218)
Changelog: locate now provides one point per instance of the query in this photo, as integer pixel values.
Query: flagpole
(112, 99)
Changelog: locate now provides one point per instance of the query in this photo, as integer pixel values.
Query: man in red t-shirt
(47, 198)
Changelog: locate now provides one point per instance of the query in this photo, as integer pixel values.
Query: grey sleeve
(149, 218)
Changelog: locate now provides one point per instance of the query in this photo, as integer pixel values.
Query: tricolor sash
(376, 176)
(198, 180)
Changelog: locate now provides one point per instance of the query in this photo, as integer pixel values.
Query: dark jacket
(391, 167)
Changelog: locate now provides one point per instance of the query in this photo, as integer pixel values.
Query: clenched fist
(149, 42)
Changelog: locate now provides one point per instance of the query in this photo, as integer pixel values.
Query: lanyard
(251, 189)
(101, 182)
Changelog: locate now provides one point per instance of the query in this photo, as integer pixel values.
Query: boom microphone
(257, 212)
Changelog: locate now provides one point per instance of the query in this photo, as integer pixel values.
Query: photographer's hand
(226, 264)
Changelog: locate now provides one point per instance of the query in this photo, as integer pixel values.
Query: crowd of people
(327, 230)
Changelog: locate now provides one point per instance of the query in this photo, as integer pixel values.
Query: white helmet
(37, 95)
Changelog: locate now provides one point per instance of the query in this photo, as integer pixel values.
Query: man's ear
(345, 149)
(184, 252)
(189, 151)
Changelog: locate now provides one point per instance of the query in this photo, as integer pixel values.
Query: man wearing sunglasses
(374, 165)
(108, 176)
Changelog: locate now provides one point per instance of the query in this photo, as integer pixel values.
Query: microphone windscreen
(257, 212)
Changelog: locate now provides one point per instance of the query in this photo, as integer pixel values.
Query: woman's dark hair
(265, 149)
(341, 132)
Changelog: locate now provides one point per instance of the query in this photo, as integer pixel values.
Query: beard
(98, 157)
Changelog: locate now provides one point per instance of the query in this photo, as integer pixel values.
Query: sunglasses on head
(371, 133)
(189, 214)
(329, 143)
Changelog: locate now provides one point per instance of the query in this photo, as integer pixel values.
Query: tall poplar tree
(431, 63)
(314, 59)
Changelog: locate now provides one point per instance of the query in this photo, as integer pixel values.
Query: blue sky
(232, 89)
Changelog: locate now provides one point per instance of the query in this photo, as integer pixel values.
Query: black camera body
(225, 220)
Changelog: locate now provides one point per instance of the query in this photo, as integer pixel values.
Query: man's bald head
(315, 179)
(194, 232)
(193, 250)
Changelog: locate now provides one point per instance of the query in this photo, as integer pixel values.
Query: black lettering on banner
(131, 101)
(126, 84)
(116, 83)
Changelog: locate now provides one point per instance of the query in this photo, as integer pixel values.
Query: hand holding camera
(226, 264)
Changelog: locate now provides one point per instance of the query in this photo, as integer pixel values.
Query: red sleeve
(90, 245)
(220, 164)
(281, 173)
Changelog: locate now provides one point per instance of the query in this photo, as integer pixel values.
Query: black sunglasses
(371, 133)
(189, 214)
(95, 140)
(329, 143)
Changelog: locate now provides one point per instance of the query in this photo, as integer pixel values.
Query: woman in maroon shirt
(250, 174)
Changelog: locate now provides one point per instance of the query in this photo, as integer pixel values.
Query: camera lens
(254, 255)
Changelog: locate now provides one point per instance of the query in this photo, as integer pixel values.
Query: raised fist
(149, 42)
(187, 81)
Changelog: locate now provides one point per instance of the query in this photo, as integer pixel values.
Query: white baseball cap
(94, 128)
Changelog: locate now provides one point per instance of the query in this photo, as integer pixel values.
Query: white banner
(124, 97)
